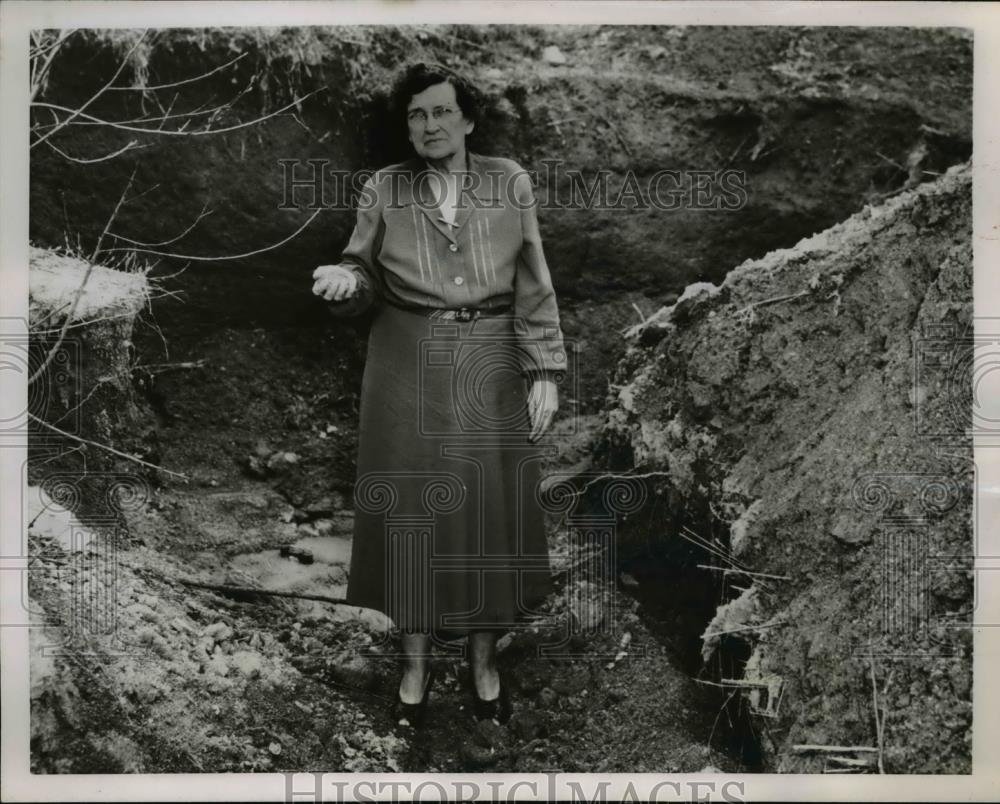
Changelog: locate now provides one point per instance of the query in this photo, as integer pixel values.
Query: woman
(459, 386)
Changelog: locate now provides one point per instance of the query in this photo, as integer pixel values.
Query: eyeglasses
(418, 117)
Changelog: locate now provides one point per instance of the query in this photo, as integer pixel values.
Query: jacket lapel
(479, 192)
(476, 191)
(422, 194)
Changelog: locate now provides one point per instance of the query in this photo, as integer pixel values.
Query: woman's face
(437, 126)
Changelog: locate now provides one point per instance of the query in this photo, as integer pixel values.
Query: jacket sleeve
(543, 352)
(361, 254)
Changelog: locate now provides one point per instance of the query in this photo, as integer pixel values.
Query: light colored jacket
(404, 253)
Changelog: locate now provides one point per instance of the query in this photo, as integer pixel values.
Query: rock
(217, 665)
(281, 462)
(247, 663)
(324, 527)
(182, 626)
(477, 756)
(324, 506)
(143, 612)
(255, 467)
(847, 530)
(219, 632)
(306, 664)
(307, 531)
(553, 55)
(628, 581)
(218, 684)
(355, 671)
(145, 635)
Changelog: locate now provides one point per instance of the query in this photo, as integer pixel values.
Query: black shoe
(498, 709)
(412, 715)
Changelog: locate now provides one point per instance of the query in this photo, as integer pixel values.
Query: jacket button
(459, 280)
(453, 247)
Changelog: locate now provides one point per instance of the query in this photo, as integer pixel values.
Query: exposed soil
(807, 420)
(190, 679)
(243, 383)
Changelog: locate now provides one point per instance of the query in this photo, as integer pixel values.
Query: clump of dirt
(807, 421)
(80, 374)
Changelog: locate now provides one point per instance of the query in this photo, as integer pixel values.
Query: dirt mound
(82, 398)
(805, 425)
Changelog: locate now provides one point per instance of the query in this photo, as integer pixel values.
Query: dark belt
(459, 313)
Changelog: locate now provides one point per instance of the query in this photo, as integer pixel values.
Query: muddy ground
(190, 679)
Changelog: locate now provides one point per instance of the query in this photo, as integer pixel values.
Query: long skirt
(449, 533)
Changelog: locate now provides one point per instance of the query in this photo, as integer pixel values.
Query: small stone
(217, 665)
(275, 748)
(849, 531)
(219, 632)
(355, 671)
(553, 55)
(281, 462)
(917, 395)
(146, 635)
(247, 663)
(181, 625)
(144, 612)
(477, 756)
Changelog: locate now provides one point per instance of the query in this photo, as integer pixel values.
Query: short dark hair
(418, 77)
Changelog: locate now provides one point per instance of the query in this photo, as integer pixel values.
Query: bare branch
(39, 72)
(113, 215)
(201, 215)
(178, 83)
(273, 246)
(176, 132)
(105, 447)
(76, 112)
(161, 119)
(132, 145)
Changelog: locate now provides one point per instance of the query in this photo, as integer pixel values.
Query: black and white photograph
(508, 399)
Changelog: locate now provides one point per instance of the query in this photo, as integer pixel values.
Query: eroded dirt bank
(805, 422)
(753, 408)
(815, 121)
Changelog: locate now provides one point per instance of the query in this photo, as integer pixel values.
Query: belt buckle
(465, 314)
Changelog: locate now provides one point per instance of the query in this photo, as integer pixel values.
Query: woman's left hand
(543, 402)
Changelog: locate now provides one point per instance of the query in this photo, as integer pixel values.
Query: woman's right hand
(335, 282)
